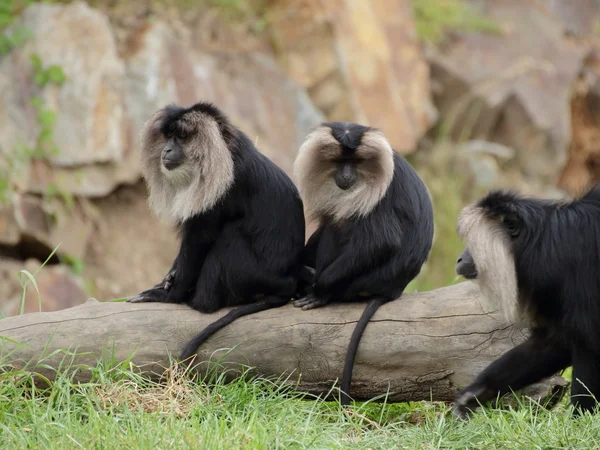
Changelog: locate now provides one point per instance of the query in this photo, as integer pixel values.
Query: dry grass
(175, 396)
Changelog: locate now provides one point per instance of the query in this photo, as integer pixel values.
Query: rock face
(360, 61)
(515, 88)
(531, 93)
(112, 88)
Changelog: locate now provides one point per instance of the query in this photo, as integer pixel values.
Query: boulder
(360, 61)
(513, 87)
(89, 120)
(583, 163)
(33, 226)
(132, 250)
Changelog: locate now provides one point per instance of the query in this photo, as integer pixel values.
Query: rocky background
(475, 93)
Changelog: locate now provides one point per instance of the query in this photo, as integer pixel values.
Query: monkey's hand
(310, 302)
(466, 401)
(168, 281)
(306, 280)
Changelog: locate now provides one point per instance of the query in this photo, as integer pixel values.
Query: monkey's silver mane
(491, 250)
(314, 174)
(200, 182)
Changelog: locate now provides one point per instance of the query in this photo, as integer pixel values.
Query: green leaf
(46, 117)
(45, 136)
(36, 61)
(56, 74)
(36, 101)
(41, 79)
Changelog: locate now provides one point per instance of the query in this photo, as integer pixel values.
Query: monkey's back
(558, 262)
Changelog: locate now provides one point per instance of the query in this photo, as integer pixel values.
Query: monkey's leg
(585, 387)
(529, 362)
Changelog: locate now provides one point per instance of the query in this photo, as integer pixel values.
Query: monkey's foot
(150, 295)
(461, 411)
(466, 401)
(310, 302)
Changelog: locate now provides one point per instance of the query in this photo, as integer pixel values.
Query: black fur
(556, 247)
(378, 254)
(246, 246)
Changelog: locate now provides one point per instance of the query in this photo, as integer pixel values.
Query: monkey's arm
(538, 357)
(197, 237)
(309, 253)
(308, 262)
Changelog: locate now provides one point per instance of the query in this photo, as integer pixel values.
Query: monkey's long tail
(369, 311)
(193, 345)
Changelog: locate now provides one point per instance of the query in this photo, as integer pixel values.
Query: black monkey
(239, 216)
(539, 261)
(375, 222)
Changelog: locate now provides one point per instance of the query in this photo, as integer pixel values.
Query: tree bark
(424, 346)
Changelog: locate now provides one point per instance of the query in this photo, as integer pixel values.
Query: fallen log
(425, 346)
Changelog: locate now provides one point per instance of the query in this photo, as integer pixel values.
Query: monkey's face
(345, 174)
(343, 170)
(185, 160)
(173, 155)
(509, 224)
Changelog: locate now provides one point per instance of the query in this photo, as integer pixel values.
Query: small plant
(26, 277)
(9, 12)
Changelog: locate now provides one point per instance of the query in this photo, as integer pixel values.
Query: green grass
(119, 409)
(435, 18)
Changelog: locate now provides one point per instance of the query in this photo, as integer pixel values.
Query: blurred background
(476, 94)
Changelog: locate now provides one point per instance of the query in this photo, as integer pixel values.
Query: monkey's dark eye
(512, 225)
(513, 230)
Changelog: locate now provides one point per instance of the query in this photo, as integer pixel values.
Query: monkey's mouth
(170, 164)
(344, 186)
(469, 274)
